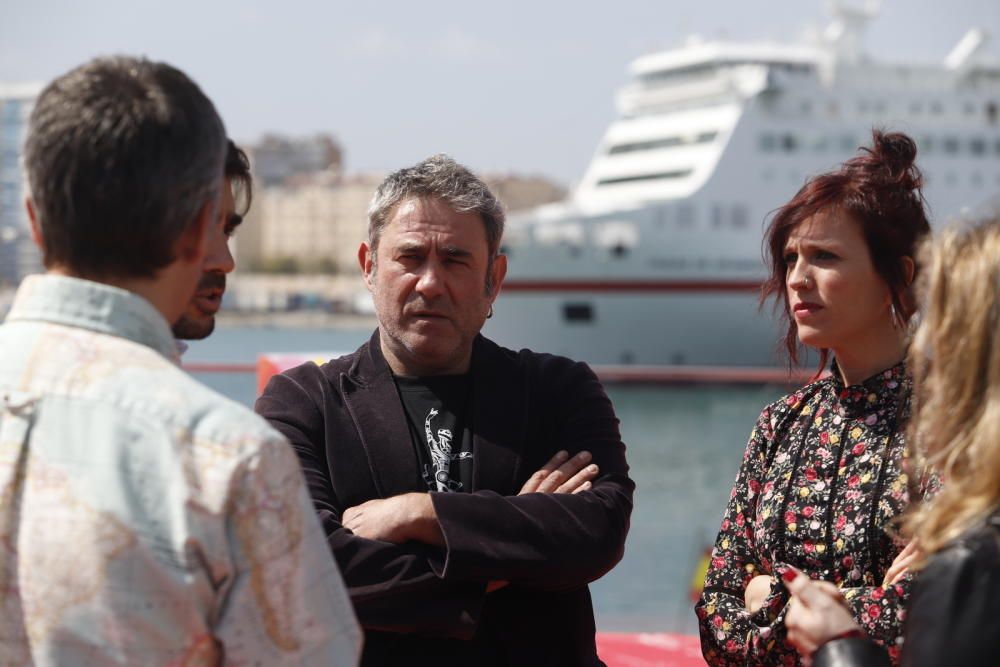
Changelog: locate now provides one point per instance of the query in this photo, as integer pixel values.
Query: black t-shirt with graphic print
(438, 411)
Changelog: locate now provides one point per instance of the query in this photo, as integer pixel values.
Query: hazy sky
(516, 84)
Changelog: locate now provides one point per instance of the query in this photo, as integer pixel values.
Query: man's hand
(562, 474)
(757, 591)
(817, 612)
(399, 519)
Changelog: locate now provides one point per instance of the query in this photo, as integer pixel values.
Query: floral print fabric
(822, 478)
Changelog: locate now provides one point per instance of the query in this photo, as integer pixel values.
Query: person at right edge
(823, 475)
(954, 614)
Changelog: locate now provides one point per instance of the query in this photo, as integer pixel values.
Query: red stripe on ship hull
(630, 286)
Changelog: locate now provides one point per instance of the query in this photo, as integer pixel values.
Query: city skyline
(527, 88)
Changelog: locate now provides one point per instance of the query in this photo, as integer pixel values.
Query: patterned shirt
(144, 519)
(822, 480)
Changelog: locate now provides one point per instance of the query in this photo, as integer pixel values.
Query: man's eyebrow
(410, 246)
(455, 251)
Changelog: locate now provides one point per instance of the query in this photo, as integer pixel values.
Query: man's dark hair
(238, 171)
(122, 154)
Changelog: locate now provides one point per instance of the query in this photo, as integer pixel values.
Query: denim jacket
(145, 519)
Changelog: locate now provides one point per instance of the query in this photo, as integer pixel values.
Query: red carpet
(649, 650)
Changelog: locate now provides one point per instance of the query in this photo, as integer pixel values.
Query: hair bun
(892, 156)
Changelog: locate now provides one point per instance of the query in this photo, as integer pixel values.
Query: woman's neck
(882, 348)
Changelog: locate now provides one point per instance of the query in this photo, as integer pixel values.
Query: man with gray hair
(144, 519)
(469, 492)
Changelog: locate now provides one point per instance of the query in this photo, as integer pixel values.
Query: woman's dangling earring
(490, 314)
(897, 322)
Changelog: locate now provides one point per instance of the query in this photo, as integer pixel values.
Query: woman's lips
(806, 308)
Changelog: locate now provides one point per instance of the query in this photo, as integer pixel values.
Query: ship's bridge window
(936, 108)
(681, 74)
(951, 145)
(788, 143)
(991, 113)
(977, 147)
(666, 142)
(658, 176)
(767, 142)
(926, 145)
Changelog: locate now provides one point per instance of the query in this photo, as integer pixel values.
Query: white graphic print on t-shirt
(441, 456)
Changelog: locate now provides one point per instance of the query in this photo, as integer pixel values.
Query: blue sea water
(685, 443)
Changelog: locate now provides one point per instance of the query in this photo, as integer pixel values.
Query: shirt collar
(90, 305)
(880, 391)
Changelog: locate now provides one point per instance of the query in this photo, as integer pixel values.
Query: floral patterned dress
(821, 480)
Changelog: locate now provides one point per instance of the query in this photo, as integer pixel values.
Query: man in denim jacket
(144, 519)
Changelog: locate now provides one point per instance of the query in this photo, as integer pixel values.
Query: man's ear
(366, 259)
(497, 274)
(36, 227)
(190, 245)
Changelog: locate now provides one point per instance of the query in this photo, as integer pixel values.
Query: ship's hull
(647, 326)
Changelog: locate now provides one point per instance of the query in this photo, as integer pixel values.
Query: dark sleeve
(548, 541)
(393, 587)
(954, 613)
(879, 611)
(852, 652)
(731, 635)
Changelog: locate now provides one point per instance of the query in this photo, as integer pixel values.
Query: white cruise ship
(655, 259)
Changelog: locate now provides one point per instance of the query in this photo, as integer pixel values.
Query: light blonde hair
(955, 360)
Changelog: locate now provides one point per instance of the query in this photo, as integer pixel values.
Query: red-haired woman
(822, 476)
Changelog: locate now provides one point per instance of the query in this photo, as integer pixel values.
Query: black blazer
(953, 616)
(423, 605)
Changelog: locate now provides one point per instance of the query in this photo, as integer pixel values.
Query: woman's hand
(901, 564)
(817, 613)
(757, 591)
